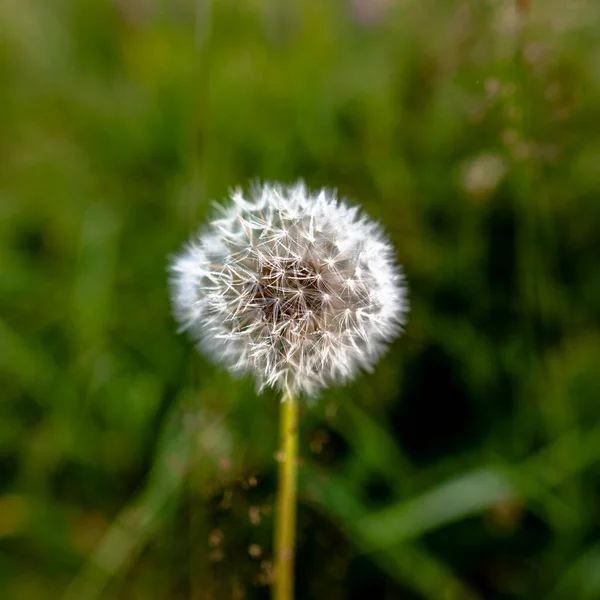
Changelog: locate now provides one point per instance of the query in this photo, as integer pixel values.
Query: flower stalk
(285, 514)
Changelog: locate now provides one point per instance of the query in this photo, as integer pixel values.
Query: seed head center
(290, 291)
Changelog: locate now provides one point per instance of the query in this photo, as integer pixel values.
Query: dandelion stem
(285, 526)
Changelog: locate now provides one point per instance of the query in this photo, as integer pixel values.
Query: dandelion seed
(298, 289)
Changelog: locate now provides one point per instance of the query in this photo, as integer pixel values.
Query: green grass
(467, 466)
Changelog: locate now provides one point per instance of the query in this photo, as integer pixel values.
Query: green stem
(285, 526)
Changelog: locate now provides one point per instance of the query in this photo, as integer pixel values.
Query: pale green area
(467, 466)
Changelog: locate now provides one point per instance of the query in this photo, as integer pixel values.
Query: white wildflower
(299, 289)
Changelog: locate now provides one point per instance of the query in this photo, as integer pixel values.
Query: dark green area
(467, 466)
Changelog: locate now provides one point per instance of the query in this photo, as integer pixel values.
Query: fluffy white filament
(300, 290)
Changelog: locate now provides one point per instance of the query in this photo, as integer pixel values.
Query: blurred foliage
(468, 465)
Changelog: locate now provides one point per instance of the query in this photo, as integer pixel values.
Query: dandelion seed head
(299, 289)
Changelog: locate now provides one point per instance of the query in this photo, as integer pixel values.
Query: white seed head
(300, 290)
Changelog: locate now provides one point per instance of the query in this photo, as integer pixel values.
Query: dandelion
(298, 289)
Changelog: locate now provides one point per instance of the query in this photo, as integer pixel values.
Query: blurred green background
(468, 465)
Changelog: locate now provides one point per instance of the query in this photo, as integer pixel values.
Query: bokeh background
(468, 465)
